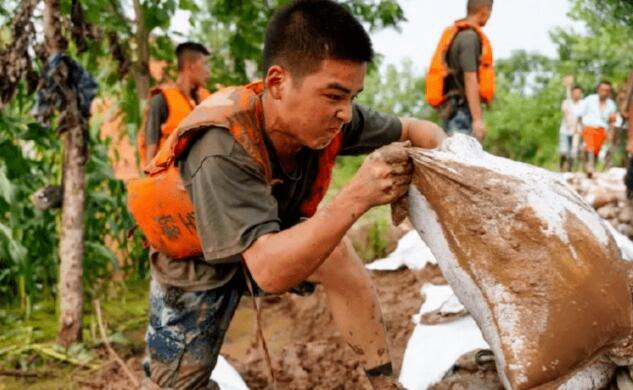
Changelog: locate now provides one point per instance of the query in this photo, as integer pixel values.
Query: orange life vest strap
(327, 160)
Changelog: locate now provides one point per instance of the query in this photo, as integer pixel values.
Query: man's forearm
(472, 95)
(421, 133)
(300, 250)
(150, 152)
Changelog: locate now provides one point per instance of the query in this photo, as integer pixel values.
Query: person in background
(626, 110)
(595, 114)
(618, 130)
(569, 130)
(170, 103)
(461, 76)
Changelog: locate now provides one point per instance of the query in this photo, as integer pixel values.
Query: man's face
(315, 107)
(576, 94)
(199, 71)
(484, 15)
(604, 91)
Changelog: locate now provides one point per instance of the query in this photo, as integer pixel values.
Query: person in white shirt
(569, 128)
(595, 114)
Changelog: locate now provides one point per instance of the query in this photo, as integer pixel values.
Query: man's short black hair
(303, 33)
(575, 87)
(605, 82)
(475, 5)
(189, 51)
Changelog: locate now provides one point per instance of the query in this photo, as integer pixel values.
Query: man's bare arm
(421, 133)
(150, 152)
(279, 261)
(471, 85)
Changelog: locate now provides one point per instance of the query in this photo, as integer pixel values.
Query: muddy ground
(306, 350)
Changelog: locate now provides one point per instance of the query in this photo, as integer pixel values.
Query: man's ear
(276, 81)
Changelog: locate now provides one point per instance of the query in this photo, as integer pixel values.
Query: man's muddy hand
(384, 176)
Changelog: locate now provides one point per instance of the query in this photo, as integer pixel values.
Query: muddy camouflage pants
(185, 333)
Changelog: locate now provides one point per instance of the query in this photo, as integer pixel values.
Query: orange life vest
(159, 202)
(439, 70)
(178, 107)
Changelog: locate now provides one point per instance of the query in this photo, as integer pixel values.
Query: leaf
(15, 250)
(7, 189)
(188, 5)
(118, 338)
(100, 250)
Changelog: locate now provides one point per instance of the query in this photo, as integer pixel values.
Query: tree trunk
(71, 245)
(141, 65)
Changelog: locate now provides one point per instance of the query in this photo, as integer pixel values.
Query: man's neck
(286, 146)
(473, 19)
(185, 85)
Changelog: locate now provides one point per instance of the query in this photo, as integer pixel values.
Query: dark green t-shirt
(234, 205)
(463, 56)
(156, 115)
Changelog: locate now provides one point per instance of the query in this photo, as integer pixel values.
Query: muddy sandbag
(530, 260)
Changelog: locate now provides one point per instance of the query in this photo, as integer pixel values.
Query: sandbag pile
(607, 194)
(531, 261)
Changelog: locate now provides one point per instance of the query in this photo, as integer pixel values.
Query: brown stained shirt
(234, 205)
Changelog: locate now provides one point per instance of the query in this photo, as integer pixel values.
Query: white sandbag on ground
(227, 377)
(411, 252)
(531, 261)
(432, 349)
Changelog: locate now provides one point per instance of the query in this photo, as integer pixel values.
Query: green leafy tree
(30, 158)
(234, 30)
(398, 90)
(524, 118)
(605, 50)
(619, 11)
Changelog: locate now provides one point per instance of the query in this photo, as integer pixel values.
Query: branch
(25, 374)
(125, 21)
(14, 59)
(111, 351)
(55, 41)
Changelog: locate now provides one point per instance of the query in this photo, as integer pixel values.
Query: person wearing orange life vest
(461, 75)
(170, 103)
(255, 161)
